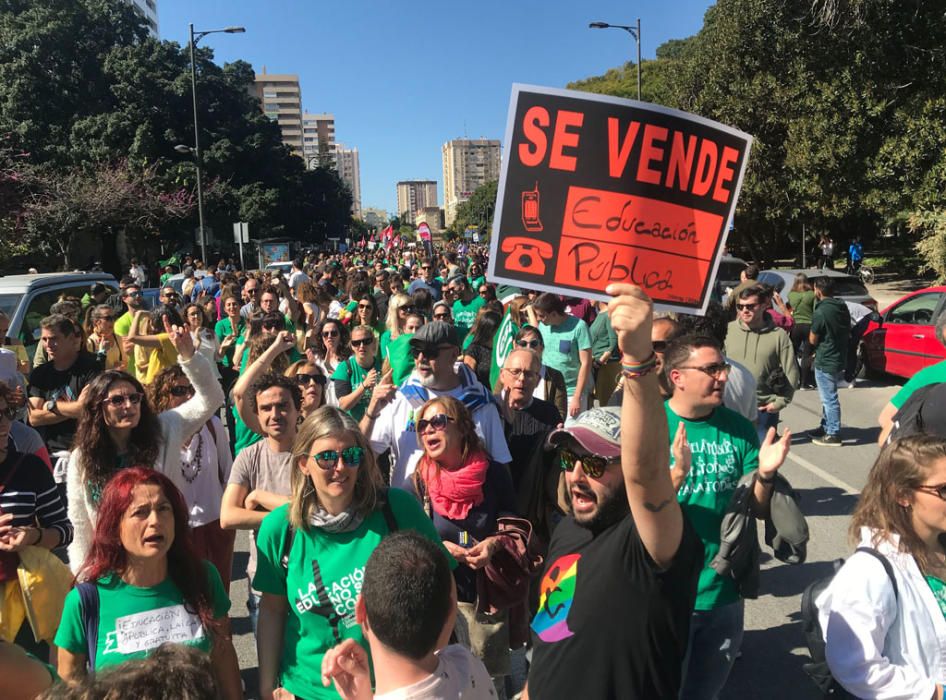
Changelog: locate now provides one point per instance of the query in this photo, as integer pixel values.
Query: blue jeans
(715, 639)
(252, 604)
(830, 404)
(765, 421)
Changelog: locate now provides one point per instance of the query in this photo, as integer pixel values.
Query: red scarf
(454, 493)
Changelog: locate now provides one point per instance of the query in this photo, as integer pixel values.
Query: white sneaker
(843, 384)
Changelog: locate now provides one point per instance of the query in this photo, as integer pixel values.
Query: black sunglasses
(430, 351)
(304, 379)
(528, 343)
(270, 325)
(121, 399)
(438, 422)
(329, 334)
(181, 390)
(358, 342)
(593, 465)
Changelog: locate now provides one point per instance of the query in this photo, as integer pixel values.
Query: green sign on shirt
(350, 371)
(465, 314)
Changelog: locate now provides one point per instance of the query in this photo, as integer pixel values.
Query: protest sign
(595, 189)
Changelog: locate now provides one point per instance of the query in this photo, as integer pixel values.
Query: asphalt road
(773, 650)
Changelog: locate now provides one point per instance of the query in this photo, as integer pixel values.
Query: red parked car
(900, 340)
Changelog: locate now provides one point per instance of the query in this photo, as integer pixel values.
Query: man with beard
(260, 477)
(617, 592)
(390, 420)
(720, 446)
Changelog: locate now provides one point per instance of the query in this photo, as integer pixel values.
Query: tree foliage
(85, 90)
(844, 99)
(477, 211)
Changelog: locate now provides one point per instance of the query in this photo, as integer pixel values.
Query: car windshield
(848, 287)
(9, 302)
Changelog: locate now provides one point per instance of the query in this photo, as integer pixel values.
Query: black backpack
(817, 669)
(922, 412)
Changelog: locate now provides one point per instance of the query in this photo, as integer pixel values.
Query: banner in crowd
(503, 344)
(595, 189)
(423, 231)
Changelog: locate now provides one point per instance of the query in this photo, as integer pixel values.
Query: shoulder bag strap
(388, 511)
(888, 567)
(213, 435)
(89, 600)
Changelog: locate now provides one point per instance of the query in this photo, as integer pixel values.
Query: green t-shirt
(725, 447)
(562, 345)
(353, 373)
(400, 358)
(122, 328)
(322, 615)
(134, 621)
(383, 342)
(803, 306)
(938, 586)
(224, 328)
(465, 314)
(831, 322)
(603, 337)
(164, 278)
(477, 283)
(926, 376)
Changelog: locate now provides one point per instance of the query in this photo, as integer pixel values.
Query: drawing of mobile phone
(530, 210)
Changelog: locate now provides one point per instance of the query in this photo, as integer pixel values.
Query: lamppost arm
(635, 32)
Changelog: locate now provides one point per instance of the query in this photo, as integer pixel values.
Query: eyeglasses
(121, 399)
(939, 490)
(358, 342)
(593, 465)
(182, 390)
(528, 344)
(303, 379)
(329, 334)
(427, 350)
(9, 413)
(445, 314)
(408, 309)
(746, 307)
(351, 458)
(364, 306)
(659, 345)
(438, 423)
(714, 370)
(270, 325)
(525, 373)
(134, 295)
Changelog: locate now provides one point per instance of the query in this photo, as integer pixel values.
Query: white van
(26, 299)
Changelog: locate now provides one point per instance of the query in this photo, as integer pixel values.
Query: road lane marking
(823, 475)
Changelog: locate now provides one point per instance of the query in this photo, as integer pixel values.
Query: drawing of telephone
(525, 255)
(530, 210)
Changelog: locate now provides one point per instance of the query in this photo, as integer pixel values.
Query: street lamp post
(634, 32)
(195, 37)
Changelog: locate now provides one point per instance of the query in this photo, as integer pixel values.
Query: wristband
(770, 480)
(39, 539)
(639, 370)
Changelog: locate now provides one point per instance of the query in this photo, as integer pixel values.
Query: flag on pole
(423, 231)
(503, 344)
(388, 233)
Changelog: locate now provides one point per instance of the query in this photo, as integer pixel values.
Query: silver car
(846, 287)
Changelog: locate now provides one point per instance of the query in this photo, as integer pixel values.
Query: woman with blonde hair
(399, 306)
(884, 613)
(313, 550)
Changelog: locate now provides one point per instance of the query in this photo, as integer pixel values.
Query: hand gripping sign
(596, 189)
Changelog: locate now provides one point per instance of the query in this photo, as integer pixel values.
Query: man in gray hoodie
(766, 350)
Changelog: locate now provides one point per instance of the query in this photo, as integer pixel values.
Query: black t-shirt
(610, 624)
(47, 382)
(527, 433)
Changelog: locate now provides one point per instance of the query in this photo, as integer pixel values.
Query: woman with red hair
(142, 585)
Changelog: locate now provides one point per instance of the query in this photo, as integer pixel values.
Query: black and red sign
(595, 189)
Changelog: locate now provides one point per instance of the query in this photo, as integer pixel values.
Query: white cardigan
(877, 646)
(176, 426)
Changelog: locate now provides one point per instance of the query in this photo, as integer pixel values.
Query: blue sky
(402, 78)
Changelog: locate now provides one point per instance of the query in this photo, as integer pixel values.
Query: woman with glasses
(32, 514)
(312, 382)
(442, 312)
(205, 468)
(101, 338)
(355, 378)
(328, 348)
(150, 586)
(464, 492)
(118, 428)
(399, 359)
(883, 615)
(312, 552)
(478, 354)
(366, 314)
(551, 386)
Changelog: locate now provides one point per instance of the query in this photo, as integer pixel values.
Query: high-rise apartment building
(375, 218)
(281, 100)
(318, 132)
(467, 164)
(350, 172)
(149, 10)
(415, 195)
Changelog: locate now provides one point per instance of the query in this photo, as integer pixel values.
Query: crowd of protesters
(453, 489)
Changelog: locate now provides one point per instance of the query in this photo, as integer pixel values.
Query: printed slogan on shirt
(596, 190)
